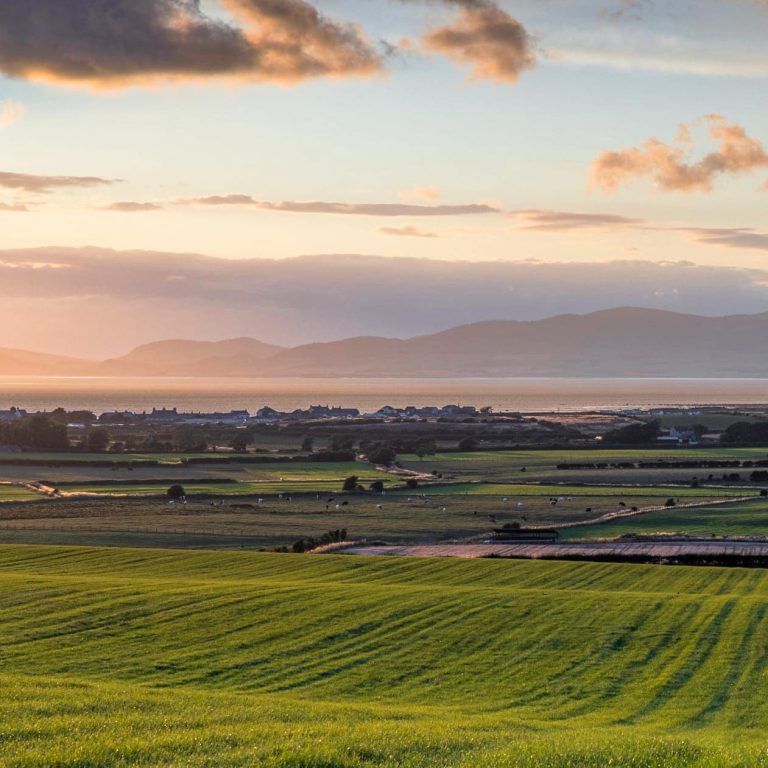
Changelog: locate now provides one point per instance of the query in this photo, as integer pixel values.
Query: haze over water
(526, 395)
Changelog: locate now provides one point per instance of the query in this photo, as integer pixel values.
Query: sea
(526, 395)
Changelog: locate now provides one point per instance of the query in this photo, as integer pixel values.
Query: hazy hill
(622, 342)
(181, 357)
(19, 362)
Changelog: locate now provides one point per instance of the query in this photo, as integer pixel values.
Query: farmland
(271, 501)
(125, 658)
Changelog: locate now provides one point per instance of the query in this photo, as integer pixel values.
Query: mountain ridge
(623, 342)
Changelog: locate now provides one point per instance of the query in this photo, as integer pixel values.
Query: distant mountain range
(624, 342)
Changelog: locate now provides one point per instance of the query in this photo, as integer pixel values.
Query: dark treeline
(746, 433)
(670, 464)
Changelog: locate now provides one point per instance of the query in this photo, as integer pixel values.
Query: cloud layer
(669, 166)
(114, 42)
(49, 297)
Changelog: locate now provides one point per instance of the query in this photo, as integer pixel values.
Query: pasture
(503, 466)
(108, 499)
(744, 519)
(124, 658)
(227, 521)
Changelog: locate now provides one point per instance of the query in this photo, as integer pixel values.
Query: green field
(748, 519)
(158, 658)
(512, 490)
(10, 493)
(503, 466)
(246, 522)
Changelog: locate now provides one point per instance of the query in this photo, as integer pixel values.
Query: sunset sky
(563, 131)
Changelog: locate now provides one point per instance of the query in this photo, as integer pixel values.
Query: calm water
(528, 395)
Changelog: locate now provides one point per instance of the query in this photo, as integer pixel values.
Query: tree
(342, 443)
(36, 432)
(350, 484)
(240, 441)
(97, 440)
(377, 486)
(412, 483)
(468, 444)
(176, 492)
(308, 444)
(382, 453)
(743, 432)
(425, 447)
(634, 434)
(190, 440)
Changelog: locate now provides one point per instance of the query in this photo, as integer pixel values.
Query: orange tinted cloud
(408, 232)
(422, 193)
(13, 207)
(34, 183)
(345, 209)
(10, 112)
(129, 206)
(116, 42)
(495, 44)
(562, 221)
(669, 166)
(729, 237)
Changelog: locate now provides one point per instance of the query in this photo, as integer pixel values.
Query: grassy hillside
(127, 657)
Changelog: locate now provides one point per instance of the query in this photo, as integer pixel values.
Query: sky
(629, 135)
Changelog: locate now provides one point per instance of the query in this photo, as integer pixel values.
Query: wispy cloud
(729, 237)
(129, 206)
(429, 194)
(11, 111)
(669, 166)
(563, 221)
(42, 184)
(13, 208)
(134, 41)
(409, 231)
(343, 209)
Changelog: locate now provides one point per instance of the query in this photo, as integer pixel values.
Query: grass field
(541, 465)
(749, 519)
(10, 493)
(158, 658)
(243, 521)
(512, 490)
